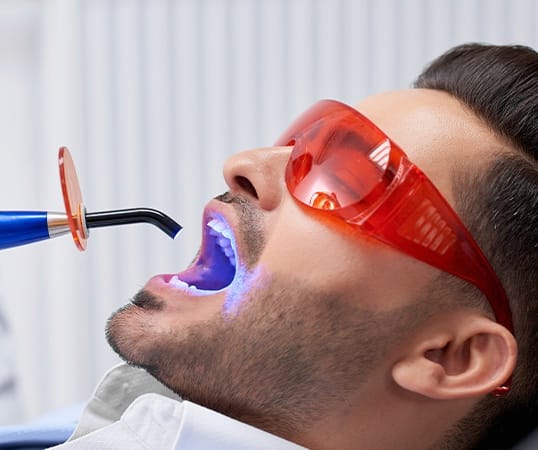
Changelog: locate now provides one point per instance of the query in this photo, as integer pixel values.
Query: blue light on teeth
(224, 237)
(220, 231)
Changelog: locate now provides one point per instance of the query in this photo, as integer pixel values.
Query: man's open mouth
(216, 266)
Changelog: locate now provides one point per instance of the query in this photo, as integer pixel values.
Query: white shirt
(131, 410)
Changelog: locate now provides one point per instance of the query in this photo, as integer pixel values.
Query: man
(338, 302)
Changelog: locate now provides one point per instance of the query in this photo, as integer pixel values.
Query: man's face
(312, 311)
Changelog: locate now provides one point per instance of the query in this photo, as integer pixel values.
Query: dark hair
(500, 85)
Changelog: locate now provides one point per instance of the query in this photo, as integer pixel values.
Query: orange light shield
(72, 198)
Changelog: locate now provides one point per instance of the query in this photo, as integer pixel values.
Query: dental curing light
(24, 227)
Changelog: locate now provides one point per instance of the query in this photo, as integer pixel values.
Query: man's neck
(384, 419)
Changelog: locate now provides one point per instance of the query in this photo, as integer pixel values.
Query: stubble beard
(291, 354)
(288, 355)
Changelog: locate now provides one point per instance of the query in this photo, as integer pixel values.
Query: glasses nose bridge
(258, 174)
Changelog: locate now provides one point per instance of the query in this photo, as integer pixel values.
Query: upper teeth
(223, 237)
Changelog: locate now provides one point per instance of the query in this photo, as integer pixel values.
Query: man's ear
(459, 356)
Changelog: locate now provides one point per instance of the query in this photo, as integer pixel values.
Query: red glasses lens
(337, 161)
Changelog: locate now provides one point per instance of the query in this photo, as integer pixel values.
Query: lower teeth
(176, 282)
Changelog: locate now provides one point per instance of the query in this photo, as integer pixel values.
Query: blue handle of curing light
(22, 227)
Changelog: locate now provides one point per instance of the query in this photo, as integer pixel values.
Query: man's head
(500, 85)
(307, 326)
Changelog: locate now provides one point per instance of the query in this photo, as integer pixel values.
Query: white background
(151, 97)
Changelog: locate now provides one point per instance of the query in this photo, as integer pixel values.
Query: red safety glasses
(343, 164)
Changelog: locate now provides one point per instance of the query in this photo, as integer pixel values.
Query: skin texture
(328, 337)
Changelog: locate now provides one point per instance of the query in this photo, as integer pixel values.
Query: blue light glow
(244, 282)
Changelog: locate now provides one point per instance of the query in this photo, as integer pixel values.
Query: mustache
(246, 209)
(228, 197)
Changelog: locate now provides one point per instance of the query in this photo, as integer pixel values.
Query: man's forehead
(436, 131)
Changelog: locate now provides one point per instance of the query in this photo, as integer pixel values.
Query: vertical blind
(152, 97)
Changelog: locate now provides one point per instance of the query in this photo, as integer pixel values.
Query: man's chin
(146, 300)
(127, 330)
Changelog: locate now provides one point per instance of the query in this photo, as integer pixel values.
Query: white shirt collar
(129, 405)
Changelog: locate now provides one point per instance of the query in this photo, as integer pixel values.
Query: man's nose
(259, 175)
